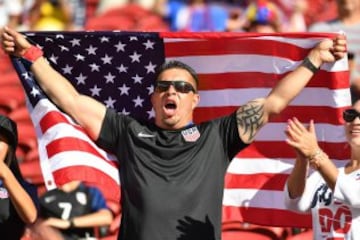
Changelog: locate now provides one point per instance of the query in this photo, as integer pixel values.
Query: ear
(196, 100)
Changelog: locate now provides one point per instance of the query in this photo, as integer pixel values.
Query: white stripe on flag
(266, 165)
(308, 97)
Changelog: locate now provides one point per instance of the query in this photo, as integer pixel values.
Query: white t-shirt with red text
(335, 215)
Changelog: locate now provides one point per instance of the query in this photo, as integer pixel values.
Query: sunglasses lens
(349, 115)
(180, 86)
(162, 86)
(183, 87)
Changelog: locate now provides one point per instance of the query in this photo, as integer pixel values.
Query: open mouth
(170, 108)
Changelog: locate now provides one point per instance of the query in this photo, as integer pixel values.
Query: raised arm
(297, 179)
(256, 113)
(86, 111)
(19, 197)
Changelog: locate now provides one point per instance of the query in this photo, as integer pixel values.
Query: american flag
(118, 68)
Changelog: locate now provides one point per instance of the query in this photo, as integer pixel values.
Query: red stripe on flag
(89, 175)
(73, 144)
(320, 114)
(243, 80)
(52, 118)
(279, 149)
(234, 45)
(265, 181)
(224, 35)
(262, 216)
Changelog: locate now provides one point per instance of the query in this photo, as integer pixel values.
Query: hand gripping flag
(117, 68)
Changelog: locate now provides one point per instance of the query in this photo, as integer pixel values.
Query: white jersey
(335, 215)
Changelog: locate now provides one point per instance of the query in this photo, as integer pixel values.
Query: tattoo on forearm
(250, 118)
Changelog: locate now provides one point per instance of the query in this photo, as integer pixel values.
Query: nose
(171, 90)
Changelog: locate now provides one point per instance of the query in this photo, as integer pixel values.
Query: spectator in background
(78, 14)
(296, 18)
(259, 16)
(348, 21)
(50, 15)
(263, 17)
(201, 16)
(18, 198)
(330, 193)
(71, 212)
(10, 13)
(169, 9)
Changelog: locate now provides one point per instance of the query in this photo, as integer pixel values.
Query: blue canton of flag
(123, 66)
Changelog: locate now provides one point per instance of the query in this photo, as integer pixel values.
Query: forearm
(21, 200)
(297, 178)
(291, 85)
(102, 217)
(86, 111)
(58, 88)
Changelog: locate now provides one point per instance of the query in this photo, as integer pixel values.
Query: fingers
(14, 43)
(297, 133)
(292, 143)
(7, 41)
(295, 129)
(339, 48)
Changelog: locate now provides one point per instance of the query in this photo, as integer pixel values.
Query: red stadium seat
(27, 136)
(32, 172)
(306, 235)
(271, 232)
(12, 97)
(6, 65)
(237, 235)
(20, 114)
(130, 17)
(9, 78)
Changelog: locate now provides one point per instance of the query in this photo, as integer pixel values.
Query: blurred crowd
(190, 16)
(164, 15)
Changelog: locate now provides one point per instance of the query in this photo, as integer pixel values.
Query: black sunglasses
(349, 115)
(180, 86)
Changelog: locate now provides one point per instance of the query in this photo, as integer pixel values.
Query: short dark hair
(178, 64)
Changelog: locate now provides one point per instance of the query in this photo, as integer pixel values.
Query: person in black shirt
(172, 171)
(18, 198)
(71, 212)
